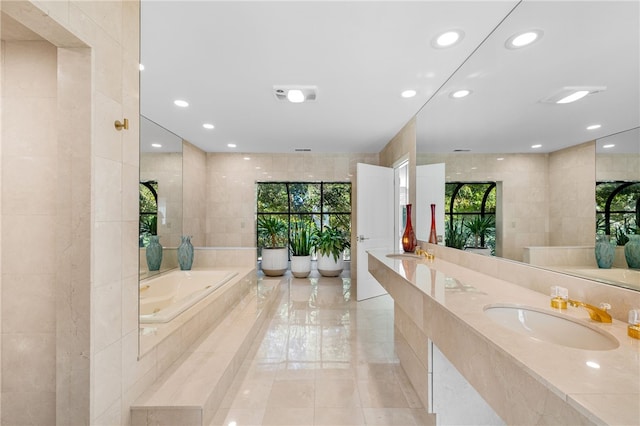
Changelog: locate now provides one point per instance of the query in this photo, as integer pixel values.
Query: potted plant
(300, 246)
(275, 256)
(455, 234)
(329, 244)
(479, 227)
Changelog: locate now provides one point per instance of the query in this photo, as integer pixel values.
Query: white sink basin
(551, 327)
(405, 256)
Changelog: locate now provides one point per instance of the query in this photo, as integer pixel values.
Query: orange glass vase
(433, 236)
(409, 241)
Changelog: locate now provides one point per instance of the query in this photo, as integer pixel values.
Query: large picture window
(318, 203)
(467, 203)
(618, 209)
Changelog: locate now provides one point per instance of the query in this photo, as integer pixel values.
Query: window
(320, 203)
(618, 209)
(148, 211)
(465, 201)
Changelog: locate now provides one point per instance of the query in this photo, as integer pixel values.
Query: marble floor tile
(323, 360)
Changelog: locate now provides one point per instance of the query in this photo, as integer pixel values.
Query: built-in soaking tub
(166, 296)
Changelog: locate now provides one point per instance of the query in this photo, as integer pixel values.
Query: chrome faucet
(597, 314)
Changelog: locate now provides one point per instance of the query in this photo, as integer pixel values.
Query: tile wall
(194, 174)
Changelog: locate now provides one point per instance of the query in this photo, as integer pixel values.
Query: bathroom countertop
(453, 302)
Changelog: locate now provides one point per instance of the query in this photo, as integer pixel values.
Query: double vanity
(532, 364)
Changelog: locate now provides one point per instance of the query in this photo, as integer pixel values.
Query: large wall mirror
(160, 193)
(541, 154)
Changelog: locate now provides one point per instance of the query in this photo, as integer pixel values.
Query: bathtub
(168, 295)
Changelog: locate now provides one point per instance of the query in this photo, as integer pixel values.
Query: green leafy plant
(479, 227)
(274, 229)
(301, 239)
(455, 235)
(331, 242)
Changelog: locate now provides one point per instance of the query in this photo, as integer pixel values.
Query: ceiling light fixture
(408, 93)
(295, 94)
(460, 93)
(611, 145)
(447, 39)
(231, 145)
(519, 40)
(536, 146)
(570, 94)
(181, 103)
(208, 126)
(594, 126)
(156, 145)
(141, 67)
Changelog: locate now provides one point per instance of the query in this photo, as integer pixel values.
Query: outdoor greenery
(314, 204)
(148, 211)
(470, 215)
(621, 201)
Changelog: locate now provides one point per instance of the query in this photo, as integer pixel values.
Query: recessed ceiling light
(231, 145)
(295, 96)
(156, 145)
(460, 93)
(208, 126)
(408, 93)
(247, 158)
(577, 95)
(181, 103)
(536, 146)
(611, 145)
(594, 126)
(141, 67)
(519, 40)
(448, 39)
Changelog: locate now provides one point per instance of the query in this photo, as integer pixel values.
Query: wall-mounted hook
(120, 126)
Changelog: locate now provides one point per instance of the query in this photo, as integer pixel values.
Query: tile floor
(324, 359)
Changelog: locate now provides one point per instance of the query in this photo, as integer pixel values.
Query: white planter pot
(274, 261)
(329, 267)
(300, 266)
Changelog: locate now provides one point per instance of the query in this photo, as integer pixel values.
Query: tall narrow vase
(409, 241)
(605, 251)
(185, 253)
(433, 235)
(154, 253)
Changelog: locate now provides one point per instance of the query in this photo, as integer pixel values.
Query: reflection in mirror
(160, 193)
(542, 155)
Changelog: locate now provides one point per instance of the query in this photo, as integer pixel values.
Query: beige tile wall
(29, 217)
(230, 185)
(95, 194)
(617, 167)
(522, 187)
(194, 174)
(572, 179)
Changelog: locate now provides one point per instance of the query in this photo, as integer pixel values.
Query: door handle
(361, 238)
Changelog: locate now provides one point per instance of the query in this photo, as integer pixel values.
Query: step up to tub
(191, 390)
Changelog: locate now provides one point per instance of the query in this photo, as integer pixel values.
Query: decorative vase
(154, 253)
(409, 241)
(632, 251)
(433, 236)
(185, 253)
(605, 251)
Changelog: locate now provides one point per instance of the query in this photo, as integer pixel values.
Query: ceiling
(225, 58)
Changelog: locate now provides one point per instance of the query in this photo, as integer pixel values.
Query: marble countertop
(608, 394)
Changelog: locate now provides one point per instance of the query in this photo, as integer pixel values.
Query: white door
(375, 222)
(430, 180)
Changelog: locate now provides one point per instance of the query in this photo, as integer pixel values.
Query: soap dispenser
(633, 330)
(559, 296)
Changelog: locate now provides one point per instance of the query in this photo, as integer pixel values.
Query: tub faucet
(597, 314)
